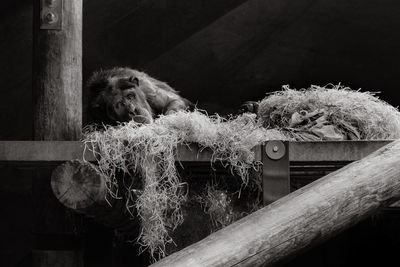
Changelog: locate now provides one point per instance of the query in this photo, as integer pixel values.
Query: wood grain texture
(298, 151)
(57, 91)
(58, 76)
(302, 219)
(78, 185)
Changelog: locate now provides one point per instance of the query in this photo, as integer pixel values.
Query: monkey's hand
(249, 107)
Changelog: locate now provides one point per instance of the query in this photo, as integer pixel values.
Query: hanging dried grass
(217, 204)
(145, 154)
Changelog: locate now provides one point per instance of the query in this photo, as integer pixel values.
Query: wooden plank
(192, 153)
(28, 151)
(42, 151)
(334, 150)
(302, 219)
(298, 151)
(68, 150)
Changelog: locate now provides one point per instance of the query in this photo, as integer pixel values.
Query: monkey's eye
(131, 96)
(127, 83)
(134, 80)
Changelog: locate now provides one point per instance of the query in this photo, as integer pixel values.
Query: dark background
(218, 53)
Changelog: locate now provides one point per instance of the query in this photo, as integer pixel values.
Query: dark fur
(124, 94)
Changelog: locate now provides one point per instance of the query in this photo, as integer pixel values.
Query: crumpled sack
(315, 125)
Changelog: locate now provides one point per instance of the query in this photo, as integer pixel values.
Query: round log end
(78, 185)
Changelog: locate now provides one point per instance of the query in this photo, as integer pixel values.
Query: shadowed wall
(217, 53)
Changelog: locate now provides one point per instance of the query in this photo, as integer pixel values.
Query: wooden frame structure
(58, 114)
(46, 152)
(276, 172)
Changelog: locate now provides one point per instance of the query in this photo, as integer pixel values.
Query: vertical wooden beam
(57, 73)
(57, 84)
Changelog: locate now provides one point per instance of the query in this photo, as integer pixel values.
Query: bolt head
(275, 149)
(50, 18)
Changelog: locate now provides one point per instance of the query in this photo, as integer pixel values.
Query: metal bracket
(276, 176)
(51, 13)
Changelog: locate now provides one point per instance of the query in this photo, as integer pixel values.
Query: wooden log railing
(303, 218)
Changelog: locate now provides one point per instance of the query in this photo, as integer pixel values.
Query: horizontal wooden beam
(298, 151)
(333, 150)
(42, 151)
(27, 151)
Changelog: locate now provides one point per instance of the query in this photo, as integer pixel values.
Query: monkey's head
(116, 96)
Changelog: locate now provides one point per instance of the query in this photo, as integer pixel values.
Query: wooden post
(303, 218)
(57, 84)
(57, 73)
(79, 185)
(82, 188)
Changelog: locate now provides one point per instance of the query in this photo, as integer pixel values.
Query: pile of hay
(145, 155)
(333, 112)
(139, 160)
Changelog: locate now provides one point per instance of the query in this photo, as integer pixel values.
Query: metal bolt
(275, 149)
(50, 18)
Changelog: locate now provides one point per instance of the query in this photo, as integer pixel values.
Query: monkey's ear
(134, 80)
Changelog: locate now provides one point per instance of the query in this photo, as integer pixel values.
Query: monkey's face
(121, 99)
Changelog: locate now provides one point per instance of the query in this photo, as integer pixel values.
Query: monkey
(123, 94)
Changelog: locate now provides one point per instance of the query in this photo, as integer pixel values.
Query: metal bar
(298, 151)
(276, 176)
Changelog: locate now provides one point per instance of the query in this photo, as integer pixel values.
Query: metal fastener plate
(51, 14)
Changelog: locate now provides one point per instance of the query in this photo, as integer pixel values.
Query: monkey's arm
(167, 102)
(177, 104)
